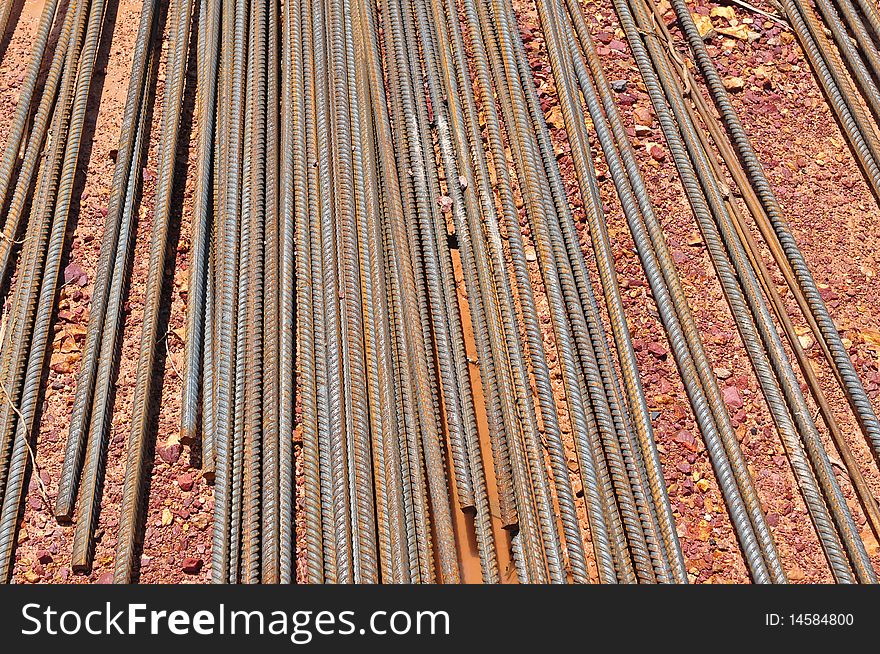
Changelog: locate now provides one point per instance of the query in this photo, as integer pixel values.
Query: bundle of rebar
(37, 193)
(385, 196)
(739, 269)
(841, 41)
(398, 362)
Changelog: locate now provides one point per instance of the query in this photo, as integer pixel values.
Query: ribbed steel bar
(252, 327)
(61, 74)
(508, 85)
(209, 36)
(415, 344)
(294, 335)
(635, 457)
(88, 502)
(762, 203)
(491, 253)
(588, 341)
(38, 310)
(813, 304)
(23, 108)
(11, 337)
(632, 499)
(240, 479)
(868, 49)
(140, 436)
(388, 540)
(657, 81)
(234, 20)
(108, 272)
(871, 15)
(270, 557)
(663, 280)
(16, 339)
(785, 401)
(401, 509)
(832, 77)
(311, 327)
(603, 417)
(468, 233)
(446, 323)
(861, 76)
(458, 84)
(805, 426)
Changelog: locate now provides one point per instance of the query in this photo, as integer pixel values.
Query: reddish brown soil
(830, 209)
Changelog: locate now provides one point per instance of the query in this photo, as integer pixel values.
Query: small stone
(170, 453)
(619, 85)
(191, 566)
(684, 438)
(871, 544)
(727, 13)
(185, 481)
(31, 576)
(704, 26)
(43, 556)
(734, 84)
(732, 397)
(64, 363)
(722, 373)
(105, 578)
(655, 151)
(643, 116)
(167, 517)
(703, 530)
(827, 293)
(74, 273)
(200, 521)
